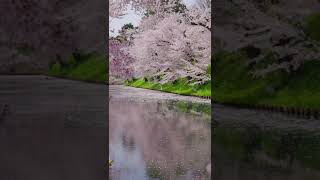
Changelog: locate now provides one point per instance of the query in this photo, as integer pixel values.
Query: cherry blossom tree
(201, 15)
(171, 42)
(118, 7)
(174, 45)
(31, 35)
(172, 50)
(120, 62)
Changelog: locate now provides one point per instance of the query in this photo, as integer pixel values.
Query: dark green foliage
(179, 7)
(313, 26)
(154, 171)
(149, 13)
(127, 26)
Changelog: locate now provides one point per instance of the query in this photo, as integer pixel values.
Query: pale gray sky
(132, 17)
(189, 3)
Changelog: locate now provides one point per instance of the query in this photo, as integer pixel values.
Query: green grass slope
(87, 68)
(181, 87)
(233, 84)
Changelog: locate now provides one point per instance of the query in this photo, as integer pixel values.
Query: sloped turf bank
(89, 67)
(312, 26)
(234, 85)
(180, 86)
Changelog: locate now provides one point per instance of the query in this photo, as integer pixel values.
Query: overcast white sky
(132, 17)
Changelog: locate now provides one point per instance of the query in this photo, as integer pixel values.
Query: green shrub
(127, 26)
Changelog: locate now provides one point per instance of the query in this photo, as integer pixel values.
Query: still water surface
(55, 129)
(52, 129)
(150, 140)
(257, 145)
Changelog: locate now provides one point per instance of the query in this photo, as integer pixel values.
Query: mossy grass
(235, 85)
(180, 86)
(313, 26)
(89, 67)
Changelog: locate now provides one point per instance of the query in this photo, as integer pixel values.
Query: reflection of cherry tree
(167, 139)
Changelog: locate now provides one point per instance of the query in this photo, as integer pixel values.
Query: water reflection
(158, 141)
(247, 149)
(51, 129)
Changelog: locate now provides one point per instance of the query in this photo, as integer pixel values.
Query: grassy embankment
(89, 67)
(180, 86)
(234, 85)
(301, 89)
